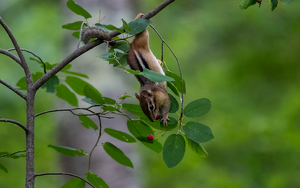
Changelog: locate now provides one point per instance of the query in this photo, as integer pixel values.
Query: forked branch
(18, 49)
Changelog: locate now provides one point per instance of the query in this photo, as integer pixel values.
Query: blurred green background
(245, 61)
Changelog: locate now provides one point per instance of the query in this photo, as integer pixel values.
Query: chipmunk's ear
(137, 96)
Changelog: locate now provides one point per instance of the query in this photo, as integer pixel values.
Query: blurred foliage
(244, 61)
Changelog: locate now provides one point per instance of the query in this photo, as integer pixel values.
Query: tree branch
(65, 173)
(14, 122)
(13, 89)
(11, 55)
(18, 49)
(89, 46)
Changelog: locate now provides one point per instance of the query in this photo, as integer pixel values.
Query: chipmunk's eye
(151, 106)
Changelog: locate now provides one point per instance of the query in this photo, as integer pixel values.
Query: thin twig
(73, 109)
(11, 55)
(66, 174)
(181, 113)
(10, 154)
(14, 122)
(44, 65)
(96, 144)
(13, 89)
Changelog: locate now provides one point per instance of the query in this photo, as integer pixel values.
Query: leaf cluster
(272, 3)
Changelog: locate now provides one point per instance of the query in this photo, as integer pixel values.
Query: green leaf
(95, 180)
(287, 1)
(197, 148)
(22, 84)
(112, 27)
(92, 93)
(76, 34)
(120, 135)
(37, 76)
(3, 168)
(246, 3)
(90, 101)
(117, 58)
(76, 74)
(174, 149)
(3, 153)
(137, 110)
(64, 93)
(78, 9)
(68, 151)
(36, 60)
(117, 154)
(138, 25)
(134, 72)
(133, 108)
(73, 26)
(140, 131)
(198, 132)
(76, 84)
(74, 183)
(66, 68)
(177, 81)
(108, 100)
(14, 156)
(49, 66)
(273, 4)
(125, 26)
(102, 27)
(174, 104)
(87, 122)
(197, 108)
(50, 84)
(155, 76)
(107, 56)
(124, 97)
(123, 46)
(172, 123)
(173, 88)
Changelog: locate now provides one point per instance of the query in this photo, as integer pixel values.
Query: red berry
(150, 137)
(157, 117)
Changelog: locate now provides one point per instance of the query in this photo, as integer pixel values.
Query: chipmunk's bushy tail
(89, 33)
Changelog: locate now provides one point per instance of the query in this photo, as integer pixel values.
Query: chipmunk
(154, 99)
